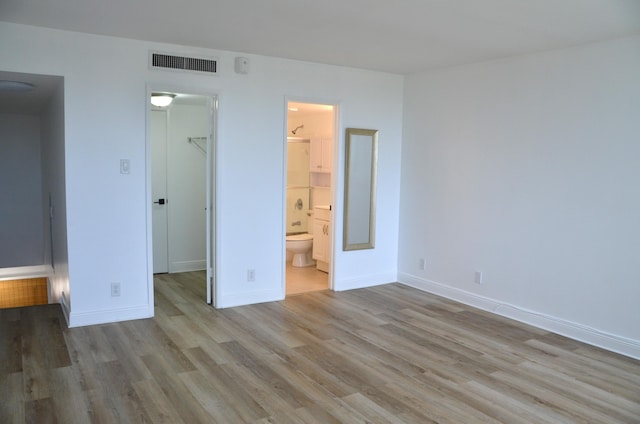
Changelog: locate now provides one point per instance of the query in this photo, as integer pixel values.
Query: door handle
(160, 202)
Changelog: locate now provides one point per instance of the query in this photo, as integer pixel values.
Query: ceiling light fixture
(162, 99)
(15, 86)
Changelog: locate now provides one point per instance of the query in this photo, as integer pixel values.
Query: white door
(159, 191)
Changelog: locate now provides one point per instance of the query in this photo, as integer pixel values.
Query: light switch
(125, 166)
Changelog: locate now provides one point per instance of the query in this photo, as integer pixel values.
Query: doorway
(309, 196)
(182, 163)
(33, 225)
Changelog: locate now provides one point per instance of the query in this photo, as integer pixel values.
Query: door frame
(211, 184)
(211, 204)
(334, 182)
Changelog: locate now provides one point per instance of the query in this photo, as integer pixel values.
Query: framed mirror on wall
(361, 162)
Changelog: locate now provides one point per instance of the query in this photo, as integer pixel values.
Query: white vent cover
(182, 63)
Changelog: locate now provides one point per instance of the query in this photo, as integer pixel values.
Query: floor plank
(387, 354)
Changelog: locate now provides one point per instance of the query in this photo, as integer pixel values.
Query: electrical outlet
(251, 275)
(115, 289)
(478, 277)
(422, 264)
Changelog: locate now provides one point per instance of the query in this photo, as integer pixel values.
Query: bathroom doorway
(181, 156)
(309, 196)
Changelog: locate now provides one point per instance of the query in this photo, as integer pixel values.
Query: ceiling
(400, 36)
(31, 102)
(301, 108)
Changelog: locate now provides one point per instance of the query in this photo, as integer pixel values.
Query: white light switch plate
(125, 166)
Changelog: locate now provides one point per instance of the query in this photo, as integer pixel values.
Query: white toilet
(300, 245)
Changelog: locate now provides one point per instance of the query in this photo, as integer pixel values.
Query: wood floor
(389, 354)
(305, 280)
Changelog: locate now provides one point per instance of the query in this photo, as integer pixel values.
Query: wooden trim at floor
(23, 292)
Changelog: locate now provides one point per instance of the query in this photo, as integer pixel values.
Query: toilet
(300, 245)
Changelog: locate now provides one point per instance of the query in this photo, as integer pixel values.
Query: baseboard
(611, 342)
(110, 315)
(32, 271)
(241, 299)
(187, 266)
(65, 308)
(363, 282)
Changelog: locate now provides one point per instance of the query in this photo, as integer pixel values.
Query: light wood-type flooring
(304, 280)
(388, 354)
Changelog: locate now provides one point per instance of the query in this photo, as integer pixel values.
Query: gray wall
(21, 218)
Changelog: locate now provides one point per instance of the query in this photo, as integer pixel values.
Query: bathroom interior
(310, 145)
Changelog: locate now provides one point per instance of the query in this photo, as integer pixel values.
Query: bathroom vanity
(322, 237)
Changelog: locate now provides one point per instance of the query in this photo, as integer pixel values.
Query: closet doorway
(182, 163)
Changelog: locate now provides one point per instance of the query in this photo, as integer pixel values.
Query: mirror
(361, 161)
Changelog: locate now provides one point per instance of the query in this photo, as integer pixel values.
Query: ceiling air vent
(182, 63)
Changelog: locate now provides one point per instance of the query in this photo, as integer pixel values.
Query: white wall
(107, 211)
(21, 231)
(186, 188)
(527, 169)
(53, 183)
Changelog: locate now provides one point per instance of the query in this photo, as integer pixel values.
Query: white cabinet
(319, 240)
(321, 156)
(322, 237)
